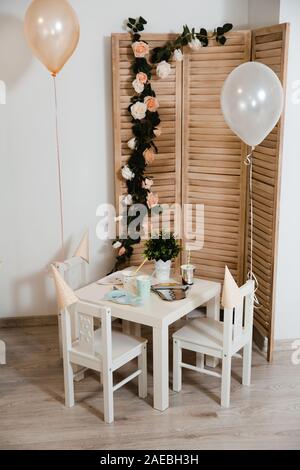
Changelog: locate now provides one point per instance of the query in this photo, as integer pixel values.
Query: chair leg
(78, 373)
(68, 383)
(142, 378)
(226, 377)
(177, 371)
(108, 397)
(60, 345)
(200, 360)
(247, 355)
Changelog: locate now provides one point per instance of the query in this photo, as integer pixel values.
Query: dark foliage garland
(145, 119)
(187, 36)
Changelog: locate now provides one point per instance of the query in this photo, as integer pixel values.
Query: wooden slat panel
(213, 169)
(269, 46)
(166, 169)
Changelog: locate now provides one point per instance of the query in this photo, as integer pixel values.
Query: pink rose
(147, 183)
(157, 131)
(152, 200)
(152, 103)
(140, 48)
(122, 251)
(148, 156)
(142, 77)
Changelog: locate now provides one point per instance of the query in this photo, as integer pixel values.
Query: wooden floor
(33, 415)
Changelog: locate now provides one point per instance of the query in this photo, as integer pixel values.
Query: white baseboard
(279, 344)
(284, 344)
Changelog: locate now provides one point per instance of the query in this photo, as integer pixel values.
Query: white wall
(287, 318)
(29, 210)
(287, 324)
(263, 13)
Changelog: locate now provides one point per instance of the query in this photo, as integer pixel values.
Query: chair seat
(122, 345)
(205, 332)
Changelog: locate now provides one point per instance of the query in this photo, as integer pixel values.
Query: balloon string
(249, 162)
(59, 173)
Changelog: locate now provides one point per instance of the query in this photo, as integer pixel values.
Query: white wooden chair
(102, 350)
(219, 339)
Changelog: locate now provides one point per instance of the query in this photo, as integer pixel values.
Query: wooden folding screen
(200, 159)
(269, 46)
(213, 169)
(166, 169)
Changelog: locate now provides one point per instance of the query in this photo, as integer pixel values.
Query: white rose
(138, 86)
(117, 245)
(147, 183)
(163, 69)
(132, 143)
(195, 44)
(138, 110)
(127, 200)
(178, 56)
(127, 173)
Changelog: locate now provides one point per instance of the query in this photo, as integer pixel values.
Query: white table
(159, 314)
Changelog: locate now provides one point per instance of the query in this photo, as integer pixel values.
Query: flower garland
(145, 118)
(173, 49)
(145, 127)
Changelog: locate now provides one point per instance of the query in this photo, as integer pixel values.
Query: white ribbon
(250, 275)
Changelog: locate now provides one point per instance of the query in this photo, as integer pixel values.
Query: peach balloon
(52, 32)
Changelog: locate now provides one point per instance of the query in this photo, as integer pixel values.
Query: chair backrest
(238, 321)
(84, 313)
(74, 271)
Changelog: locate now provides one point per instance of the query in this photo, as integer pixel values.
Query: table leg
(126, 327)
(213, 311)
(161, 368)
(131, 328)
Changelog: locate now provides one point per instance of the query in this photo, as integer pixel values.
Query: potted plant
(162, 249)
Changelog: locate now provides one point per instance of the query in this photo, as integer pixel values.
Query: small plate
(111, 279)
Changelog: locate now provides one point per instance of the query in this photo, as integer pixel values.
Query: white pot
(162, 270)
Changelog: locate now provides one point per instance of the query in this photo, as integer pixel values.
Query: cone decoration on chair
(231, 295)
(64, 294)
(83, 248)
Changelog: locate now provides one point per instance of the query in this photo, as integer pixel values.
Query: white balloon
(252, 101)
